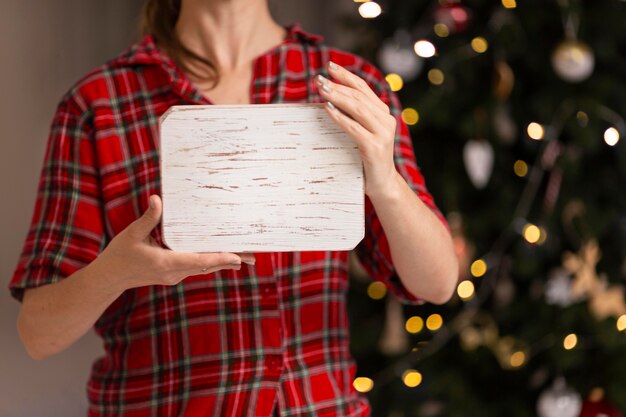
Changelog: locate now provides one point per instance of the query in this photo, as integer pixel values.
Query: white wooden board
(259, 178)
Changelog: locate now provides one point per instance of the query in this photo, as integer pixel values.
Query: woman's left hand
(410, 225)
(367, 120)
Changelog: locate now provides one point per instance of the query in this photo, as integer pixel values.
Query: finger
(210, 270)
(349, 125)
(354, 103)
(247, 258)
(142, 227)
(184, 261)
(179, 276)
(352, 80)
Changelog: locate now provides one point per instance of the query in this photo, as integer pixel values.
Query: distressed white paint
(259, 178)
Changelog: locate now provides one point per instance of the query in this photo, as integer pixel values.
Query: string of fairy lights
(486, 268)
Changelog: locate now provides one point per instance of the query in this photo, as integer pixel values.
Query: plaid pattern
(266, 339)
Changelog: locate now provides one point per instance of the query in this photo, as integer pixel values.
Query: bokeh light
(611, 136)
(395, 82)
(570, 341)
(478, 268)
(434, 322)
(582, 118)
(535, 131)
(363, 384)
(466, 290)
(479, 44)
(411, 378)
(509, 4)
(441, 30)
(517, 359)
(370, 10)
(414, 324)
(376, 290)
(531, 233)
(424, 48)
(436, 77)
(520, 168)
(410, 116)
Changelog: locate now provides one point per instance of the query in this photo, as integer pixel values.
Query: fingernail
(252, 262)
(236, 263)
(150, 203)
(323, 82)
(331, 105)
(332, 65)
(236, 267)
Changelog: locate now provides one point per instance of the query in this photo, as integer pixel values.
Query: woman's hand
(54, 316)
(421, 247)
(363, 116)
(134, 259)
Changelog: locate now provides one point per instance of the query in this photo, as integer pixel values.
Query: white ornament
(573, 61)
(559, 288)
(478, 159)
(396, 55)
(504, 125)
(559, 401)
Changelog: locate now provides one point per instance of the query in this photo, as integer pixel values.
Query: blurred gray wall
(46, 46)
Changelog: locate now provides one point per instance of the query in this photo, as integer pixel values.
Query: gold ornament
(583, 266)
(604, 300)
(573, 61)
(503, 80)
(607, 301)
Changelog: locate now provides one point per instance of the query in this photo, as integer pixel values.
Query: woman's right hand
(54, 316)
(133, 259)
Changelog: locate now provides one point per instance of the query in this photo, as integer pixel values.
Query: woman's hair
(159, 20)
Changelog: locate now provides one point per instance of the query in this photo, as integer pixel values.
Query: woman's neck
(230, 33)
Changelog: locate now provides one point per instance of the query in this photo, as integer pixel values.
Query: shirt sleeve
(373, 251)
(66, 231)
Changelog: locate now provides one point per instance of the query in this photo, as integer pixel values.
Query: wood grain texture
(259, 178)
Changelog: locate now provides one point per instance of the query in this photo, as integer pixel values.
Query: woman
(224, 333)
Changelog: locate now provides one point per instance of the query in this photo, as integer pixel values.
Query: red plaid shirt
(266, 339)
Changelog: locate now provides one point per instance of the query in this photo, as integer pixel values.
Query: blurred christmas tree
(516, 115)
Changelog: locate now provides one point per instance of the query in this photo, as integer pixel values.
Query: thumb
(142, 227)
